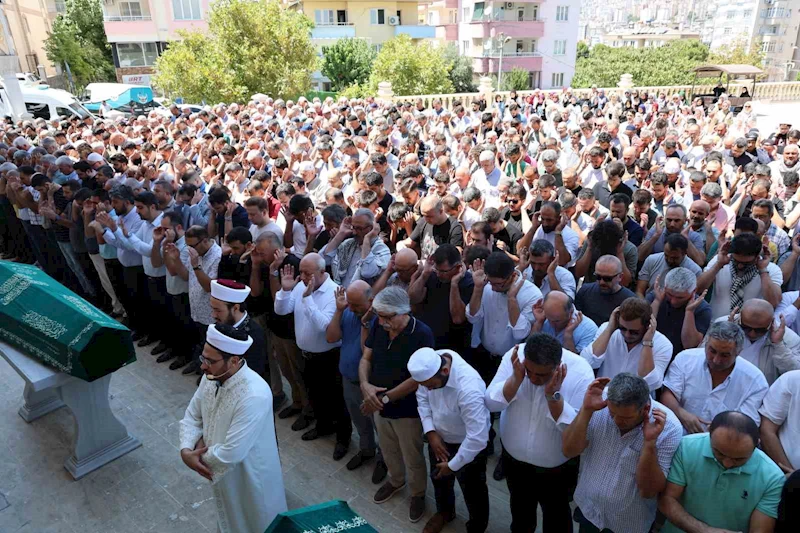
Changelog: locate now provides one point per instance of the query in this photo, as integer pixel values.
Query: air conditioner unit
(394, 21)
(509, 5)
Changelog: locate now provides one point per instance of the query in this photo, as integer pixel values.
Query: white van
(43, 102)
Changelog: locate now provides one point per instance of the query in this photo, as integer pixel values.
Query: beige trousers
(291, 364)
(400, 440)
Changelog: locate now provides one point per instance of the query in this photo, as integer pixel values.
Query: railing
(772, 91)
(126, 18)
(329, 24)
(511, 54)
(498, 18)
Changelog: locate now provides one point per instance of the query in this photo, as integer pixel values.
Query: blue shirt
(582, 336)
(125, 252)
(350, 354)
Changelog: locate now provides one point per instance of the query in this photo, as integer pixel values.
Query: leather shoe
(161, 348)
(499, 471)
(146, 340)
(301, 423)
(278, 400)
(191, 367)
(180, 362)
(340, 450)
(359, 459)
(437, 523)
(380, 471)
(314, 434)
(137, 336)
(164, 357)
(289, 412)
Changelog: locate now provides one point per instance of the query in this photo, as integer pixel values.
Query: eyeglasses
(607, 279)
(446, 270)
(757, 331)
(628, 330)
(513, 201)
(209, 362)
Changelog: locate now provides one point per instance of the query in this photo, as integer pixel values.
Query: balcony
(125, 18)
(447, 32)
(336, 30)
(416, 32)
(489, 26)
(123, 28)
(490, 62)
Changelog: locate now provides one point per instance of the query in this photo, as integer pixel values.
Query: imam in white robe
(235, 421)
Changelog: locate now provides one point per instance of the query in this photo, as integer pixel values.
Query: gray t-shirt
(655, 267)
(695, 239)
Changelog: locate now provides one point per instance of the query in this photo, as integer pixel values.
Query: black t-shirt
(60, 202)
(383, 222)
(231, 268)
(514, 220)
(436, 313)
(390, 360)
(510, 235)
(280, 325)
(238, 218)
(598, 305)
(574, 191)
(429, 237)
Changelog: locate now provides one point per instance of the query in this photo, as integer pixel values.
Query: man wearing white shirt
(450, 401)
(703, 382)
(555, 228)
(313, 302)
(629, 342)
(780, 422)
(258, 213)
(538, 394)
(488, 172)
(544, 271)
(593, 173)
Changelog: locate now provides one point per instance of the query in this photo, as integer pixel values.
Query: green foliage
(79, 40)
(238, 58)
(347, 61)
(666, 65)
(737, 53)
(797, 78)
(354, 91)
(461, 73)
(582, 51)
(517, 79)
(413, 68)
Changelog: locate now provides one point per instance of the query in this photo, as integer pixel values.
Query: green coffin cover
(331, 517)
(44, 319)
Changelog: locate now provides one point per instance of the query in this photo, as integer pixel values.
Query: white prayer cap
(227, 344)
(672, 166)
(424, 364)
(229, 291)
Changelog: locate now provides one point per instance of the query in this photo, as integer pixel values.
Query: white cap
(672, 166)
(424, 364)
(229, 291)
(94, 157)
(226, 344)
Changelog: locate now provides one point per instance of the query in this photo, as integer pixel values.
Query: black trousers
(552, 488)
(324, 383)
(14, 232)
(159, 308)
(789, 508)
(184, 335)
(486, 364)
(133, 294)
(472, 480)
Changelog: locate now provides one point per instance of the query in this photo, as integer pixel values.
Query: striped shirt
(607, 494)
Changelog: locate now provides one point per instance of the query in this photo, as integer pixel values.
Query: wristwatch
(385, 399)
(198, 267)
(647, 343)
(556, 397)
(275, 274)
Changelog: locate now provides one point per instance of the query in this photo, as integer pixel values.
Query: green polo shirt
(723, 498)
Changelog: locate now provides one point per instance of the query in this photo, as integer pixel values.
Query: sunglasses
(513, 201)
(607, 279)
(758, 331)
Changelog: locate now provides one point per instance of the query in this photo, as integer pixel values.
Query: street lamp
(502, 39)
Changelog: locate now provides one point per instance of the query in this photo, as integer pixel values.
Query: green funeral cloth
(330, 517)
(43, 319)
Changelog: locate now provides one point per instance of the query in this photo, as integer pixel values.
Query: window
(130, 10)
(377, 48)
(727, 31)
(559, 48)
(535, 11)
(558, 79)
(533, 46)
(465, 14)
(465, 47)
(453, 16)
(562, 13)
(477, 13)
(731, 14)
(768, 46)
(186, 9)
(38, 110)
(137, 54)
(61, 6)
(747, 13)
(324, 17)
(377, 16)
(518, 46)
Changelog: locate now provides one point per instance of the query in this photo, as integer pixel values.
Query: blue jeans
(75, 266)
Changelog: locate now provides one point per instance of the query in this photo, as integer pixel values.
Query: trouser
(363, 423)
(159, 306)
(400, 440)
(74, 264)
(530, 485)
(132, 291)
(472, 480)
(36, 238)
(100, 266)
(586, 526)
(15, 232)
(273, 372)
(58, 263)
(183, 337)
(486, 364)
(789, 508)
(291, 362)
(321, 376)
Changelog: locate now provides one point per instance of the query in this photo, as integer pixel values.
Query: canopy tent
(711, 71)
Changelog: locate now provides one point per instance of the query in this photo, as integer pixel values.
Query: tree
(347, 61)
(412, 68)
(78, 39)
(461, 74)
(738, 53)
(670, 64)
(582, 51)
(237, 58)
(517, 79)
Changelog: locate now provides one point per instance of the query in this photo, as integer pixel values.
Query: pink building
(139, 31)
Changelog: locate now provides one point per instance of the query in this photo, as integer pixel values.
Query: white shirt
(269, 227)
(457, 411)
(570, 238)
(491, 326)
(470, 217)
(782, 407)
(141, 241)
(300, 239)
(607, 494)
(311, 314)
(527, 428)
(564, 278)
(788, 310)
(617, 358)
(690, 381)
(591, 177)
(721, 297)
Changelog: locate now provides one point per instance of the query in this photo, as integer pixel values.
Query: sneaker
(379, 474)
(416, 509)
(386, 492)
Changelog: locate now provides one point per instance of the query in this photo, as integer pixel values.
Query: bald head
(405, 264)
(756, 318)
(313, 262)
(359, 296)
(432, 210)
(558, 309)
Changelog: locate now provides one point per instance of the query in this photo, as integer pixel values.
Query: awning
(712, 71)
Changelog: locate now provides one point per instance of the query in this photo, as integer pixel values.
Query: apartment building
(24, 28)
(646, 37)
